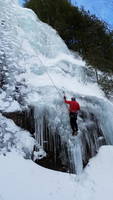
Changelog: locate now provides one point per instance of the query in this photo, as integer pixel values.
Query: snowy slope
(13, 138)
(23, 179)
(101, 8)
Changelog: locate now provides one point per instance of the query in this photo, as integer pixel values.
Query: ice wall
(37, 66)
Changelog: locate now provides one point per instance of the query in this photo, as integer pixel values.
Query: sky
(101, 8)
(21, 1)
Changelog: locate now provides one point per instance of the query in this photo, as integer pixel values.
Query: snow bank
(23, 179)
(98, 176)
(13, 138)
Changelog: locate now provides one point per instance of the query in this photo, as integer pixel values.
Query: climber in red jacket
(73, 108)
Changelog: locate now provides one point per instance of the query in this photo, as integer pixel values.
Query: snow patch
(26, 180)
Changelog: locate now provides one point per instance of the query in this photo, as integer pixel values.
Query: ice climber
(73, 108)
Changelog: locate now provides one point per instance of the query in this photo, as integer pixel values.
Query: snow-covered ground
(13, 138)
(23, 179)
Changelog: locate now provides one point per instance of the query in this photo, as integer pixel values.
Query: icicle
(75, 155)
(39, 126)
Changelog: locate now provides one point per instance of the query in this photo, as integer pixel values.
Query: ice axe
(64, 94)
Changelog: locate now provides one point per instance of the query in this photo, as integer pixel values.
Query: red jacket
(73, 105)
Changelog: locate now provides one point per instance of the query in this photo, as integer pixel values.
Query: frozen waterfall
(37, 67)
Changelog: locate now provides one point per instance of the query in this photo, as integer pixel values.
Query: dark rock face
(57, 158)
(59, 153)
(92, 136)
(24, 119)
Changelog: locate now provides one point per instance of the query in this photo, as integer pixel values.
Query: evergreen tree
(81, 31)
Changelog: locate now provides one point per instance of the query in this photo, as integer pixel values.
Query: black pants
(73, 121)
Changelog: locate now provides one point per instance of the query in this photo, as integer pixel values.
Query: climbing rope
(58, 90)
